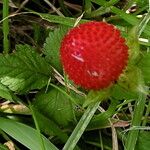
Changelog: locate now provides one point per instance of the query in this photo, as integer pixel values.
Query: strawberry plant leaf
(49, 127)
(5, 92)
(144, 65)
(56, 106)
(52, 46)
(24, 70)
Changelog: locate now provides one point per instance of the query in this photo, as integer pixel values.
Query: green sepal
(133, 44)
(94, 96)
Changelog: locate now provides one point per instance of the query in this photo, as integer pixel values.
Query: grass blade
(5, 26)
(139, 107)
(81, 126)
(24, 134)
(137, 119)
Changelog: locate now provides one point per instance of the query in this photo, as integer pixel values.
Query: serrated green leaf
(24, 134)
(5, 92)
(56, 106)
(144, 65)
(52, 46)
(24, 70)
(143, 142)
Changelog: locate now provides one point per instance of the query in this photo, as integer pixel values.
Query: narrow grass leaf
(136, 121)
(59, 19)
(5, 26)
(24, 134)
(106, 3)
(129, 18)
(143, 24)
(81, 126)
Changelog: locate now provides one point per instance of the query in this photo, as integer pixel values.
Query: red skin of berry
(94, 54)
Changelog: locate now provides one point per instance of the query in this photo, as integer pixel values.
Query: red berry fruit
(94, 54)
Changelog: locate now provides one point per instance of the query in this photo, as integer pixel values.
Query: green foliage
(24, 134)
(52, 46)
(56, 106)
(143, 142)
(102, 120)
(5, 26)
(81, 126)
(3, 147)
(59, 19)
(132, 80)
(49, 127)
(24, 70)
(5, 92)
(120, 93)
(132, 42)
(142, 3)
(94, 96)
(57, 109)
(144, 65)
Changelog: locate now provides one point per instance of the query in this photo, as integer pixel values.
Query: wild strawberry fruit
(94, 54)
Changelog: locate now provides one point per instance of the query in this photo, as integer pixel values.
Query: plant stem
(5, 26)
